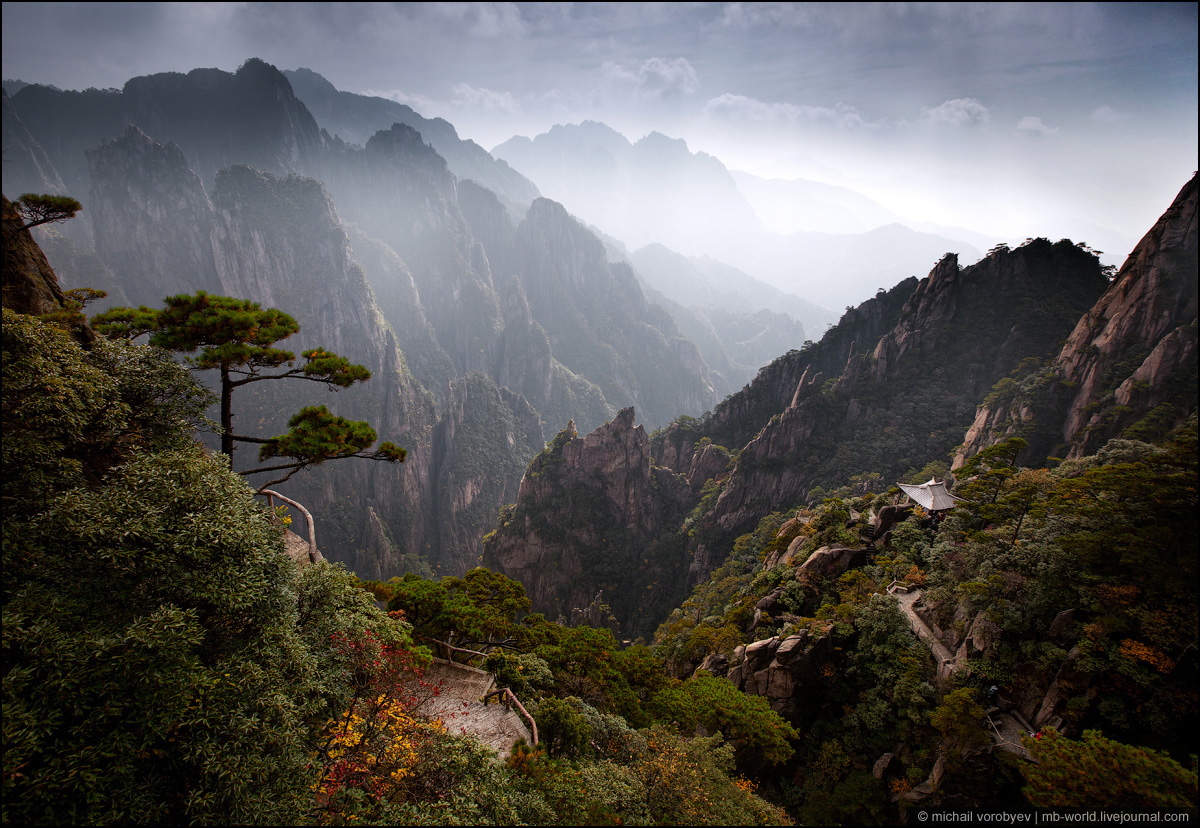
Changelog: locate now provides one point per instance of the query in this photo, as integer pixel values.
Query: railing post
(312, 532)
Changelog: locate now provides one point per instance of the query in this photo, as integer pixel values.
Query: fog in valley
(827, 150)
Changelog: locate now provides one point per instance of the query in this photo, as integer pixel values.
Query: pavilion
(932, 496)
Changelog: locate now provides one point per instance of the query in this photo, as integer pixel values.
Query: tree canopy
(44, 209)
(237, 337)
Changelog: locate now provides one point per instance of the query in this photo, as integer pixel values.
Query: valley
(653, 495)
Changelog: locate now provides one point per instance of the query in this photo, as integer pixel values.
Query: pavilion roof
(932, 495)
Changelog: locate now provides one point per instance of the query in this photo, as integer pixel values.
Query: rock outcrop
(1128, 367)
(787, 671)
(30, 285)
(956, 333)
(594, 513)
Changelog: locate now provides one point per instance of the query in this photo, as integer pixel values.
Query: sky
(1009, 119)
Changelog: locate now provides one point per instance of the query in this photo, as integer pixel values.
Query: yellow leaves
(1125, 594)
(1144, 652)
(372, 748)
(747, 785)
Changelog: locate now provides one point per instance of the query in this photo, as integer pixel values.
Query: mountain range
(481, 331)
(493, 318)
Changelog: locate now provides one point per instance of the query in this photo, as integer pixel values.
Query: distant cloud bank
(1034, 125)
(957, 112)
(656, 77)
(730, 107)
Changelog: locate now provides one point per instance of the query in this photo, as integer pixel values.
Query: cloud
(957, 112)
(656, 78)
(1108, 115)
(482, 98)
(1033, 125)
(729, 107)
(484, 20)
(753, 15)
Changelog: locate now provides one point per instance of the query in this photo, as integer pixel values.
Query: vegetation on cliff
(237, 338)
(199, 676)
(1065, 597)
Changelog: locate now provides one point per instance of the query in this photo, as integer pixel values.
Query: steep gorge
(484, 363)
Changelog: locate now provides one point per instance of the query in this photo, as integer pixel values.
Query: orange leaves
(1124, 594)
(1144, 652)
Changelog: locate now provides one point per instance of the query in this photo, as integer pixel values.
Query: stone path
(1005, 727)
(943, 656)
(1006, 730)
(458, 705)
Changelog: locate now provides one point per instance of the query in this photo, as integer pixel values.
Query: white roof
(932, 495)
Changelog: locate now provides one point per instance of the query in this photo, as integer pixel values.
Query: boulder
(715, 663)
(833, 561)
(885, 765)
(1062, 626)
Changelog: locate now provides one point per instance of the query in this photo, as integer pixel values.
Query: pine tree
(237, 338)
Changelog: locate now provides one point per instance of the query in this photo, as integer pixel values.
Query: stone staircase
(458, 705)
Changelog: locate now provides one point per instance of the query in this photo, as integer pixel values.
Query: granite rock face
(955, 334)
(30, 285)
(1149, 308)
(27, 167)
(594, 513)
(480, 446)
(152, 217)
(787, 671)
(1129, 363)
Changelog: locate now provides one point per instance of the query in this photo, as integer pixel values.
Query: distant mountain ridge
(657, 191)
(355, 118)
(886, 393)
(654, 190)
(459, 319)
(1128, 369)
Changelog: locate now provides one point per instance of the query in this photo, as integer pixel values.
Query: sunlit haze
(1008, 120)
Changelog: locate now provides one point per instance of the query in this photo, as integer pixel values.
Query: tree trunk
(226, 413)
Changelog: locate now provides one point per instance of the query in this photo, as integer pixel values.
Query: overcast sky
(1006, 118)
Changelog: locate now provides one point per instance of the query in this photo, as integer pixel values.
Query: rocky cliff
(594, 513)
(355, 118)
(152, 218)
(481, 446)
(1128, 367)
(30, 285)
(599, 323)
(554, 334)
(898, 400)
(279, 242)
(27, 167)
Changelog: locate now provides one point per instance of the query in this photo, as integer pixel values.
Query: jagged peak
(134, 142)
(404, 142)
(303, 198)
(946, 266)
(656, 140)
(315, 78)
(623, 421)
